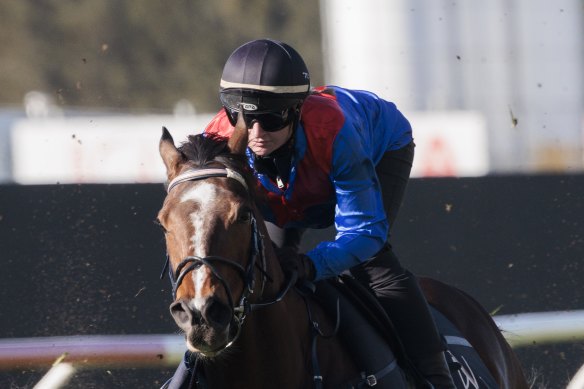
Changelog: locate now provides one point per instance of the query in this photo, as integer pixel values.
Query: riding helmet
(264, 75)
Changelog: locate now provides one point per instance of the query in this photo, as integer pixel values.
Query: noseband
(247, 274)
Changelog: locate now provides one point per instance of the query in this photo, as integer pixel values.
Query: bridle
(257, 258)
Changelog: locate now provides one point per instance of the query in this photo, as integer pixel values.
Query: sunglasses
(270, 121)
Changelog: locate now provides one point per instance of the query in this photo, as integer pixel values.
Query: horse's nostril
(217, 314)
(181, 313)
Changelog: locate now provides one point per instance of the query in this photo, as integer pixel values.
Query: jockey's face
(263, 143)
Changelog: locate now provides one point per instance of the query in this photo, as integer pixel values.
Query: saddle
(369, 334)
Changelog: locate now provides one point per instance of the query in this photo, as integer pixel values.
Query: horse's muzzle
(206, 328)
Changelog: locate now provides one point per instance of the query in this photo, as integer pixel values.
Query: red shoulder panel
(322, 119)
(220, 125)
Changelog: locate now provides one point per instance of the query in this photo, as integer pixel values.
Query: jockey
(331, 155)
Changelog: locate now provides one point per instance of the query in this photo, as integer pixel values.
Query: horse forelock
(200, 150)
(205, 150)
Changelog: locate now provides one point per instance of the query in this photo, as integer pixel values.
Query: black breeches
(399, 293)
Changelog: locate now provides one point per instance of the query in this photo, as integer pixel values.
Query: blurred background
(494, 91)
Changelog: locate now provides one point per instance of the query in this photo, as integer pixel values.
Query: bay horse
(241, 315)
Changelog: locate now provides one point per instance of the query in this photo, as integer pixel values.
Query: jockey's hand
(291, 260)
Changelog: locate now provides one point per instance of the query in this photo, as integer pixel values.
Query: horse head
(209, 227)
(214, 241)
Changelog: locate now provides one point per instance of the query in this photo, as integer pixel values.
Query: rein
(191, 263)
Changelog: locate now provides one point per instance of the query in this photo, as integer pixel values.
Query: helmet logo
(249, 107)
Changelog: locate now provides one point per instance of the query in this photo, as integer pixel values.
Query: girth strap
(370, 380)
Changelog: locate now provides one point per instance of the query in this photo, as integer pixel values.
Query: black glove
(291, 260)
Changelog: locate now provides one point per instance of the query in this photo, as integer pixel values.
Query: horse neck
(274, 344)
(273, 268)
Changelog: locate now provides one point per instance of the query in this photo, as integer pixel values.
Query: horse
(242, 316)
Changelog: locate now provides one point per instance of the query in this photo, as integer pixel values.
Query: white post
(56, 377)
(578, 380)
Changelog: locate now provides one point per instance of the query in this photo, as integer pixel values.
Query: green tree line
(138, 54)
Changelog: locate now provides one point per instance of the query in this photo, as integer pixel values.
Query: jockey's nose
(256, 130)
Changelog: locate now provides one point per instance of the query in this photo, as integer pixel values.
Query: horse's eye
(244, 216)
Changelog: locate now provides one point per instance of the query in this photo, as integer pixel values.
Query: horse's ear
(171, 157)
(238, 142)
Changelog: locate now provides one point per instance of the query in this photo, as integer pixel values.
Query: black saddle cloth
(466, 367)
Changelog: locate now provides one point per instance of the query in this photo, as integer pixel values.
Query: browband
(197, 174)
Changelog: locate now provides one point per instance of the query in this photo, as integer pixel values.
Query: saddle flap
(366, 303)
(364, 326)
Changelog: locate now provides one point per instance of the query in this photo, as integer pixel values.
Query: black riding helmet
(264, 76)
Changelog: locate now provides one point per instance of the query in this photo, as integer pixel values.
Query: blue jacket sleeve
(359, 214)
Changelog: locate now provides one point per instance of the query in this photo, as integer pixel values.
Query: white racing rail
(163, 351)
(67, 354)
(93, 351)
(527, 329)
